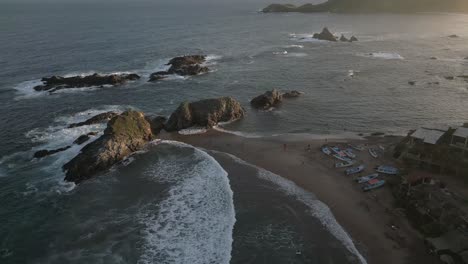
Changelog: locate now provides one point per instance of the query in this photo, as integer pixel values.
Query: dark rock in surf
(183, 66)
(450, 78)
(83, 138)
(433, 58)
(325, 35)
(100, 118)
(412, 83)
(44, 152)
(353, 39)
(453, 36)
(55, 83)
(157, 123)
(205, 113)
(292, 94)
(125, 134)
(343, 38)
(267, 100)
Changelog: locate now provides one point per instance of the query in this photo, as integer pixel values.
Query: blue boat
(354, 170)
(373, 184)
(388, 170)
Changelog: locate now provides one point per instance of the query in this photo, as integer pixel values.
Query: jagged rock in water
(184, 66)
(453, 36)
(267, 100)
(45, 152)
(157, 123)
(55, 83)
(205, 113)
(100, 118)
(325, 35)
(352, 39)
(83, 138)
(125, 134)
(292, 94)
(343, 38)
(412, 83)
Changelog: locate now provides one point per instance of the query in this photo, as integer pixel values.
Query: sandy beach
(378, 229)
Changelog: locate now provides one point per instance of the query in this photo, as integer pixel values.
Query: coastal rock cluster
(328, 36)
(272, 98)
(189, 65)
(54, 83)
(183, 66)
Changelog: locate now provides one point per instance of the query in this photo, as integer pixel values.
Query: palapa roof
(461, 132)
(430, 136)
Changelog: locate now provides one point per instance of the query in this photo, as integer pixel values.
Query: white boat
(349, 153)
(326, 150)
(357, 147)
(387, 170)
(367, 178)
(342, 158)
(373, 184)
(337, 150)
(354, 170)
(345, 164)
(373, 153)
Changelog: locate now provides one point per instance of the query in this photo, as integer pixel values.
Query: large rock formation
(157, 123)
(100, 118)
(184, 66)
(205, 113)
(325, 35)
(368, 6)
(55, 83)
(125, 134)
(267, 100)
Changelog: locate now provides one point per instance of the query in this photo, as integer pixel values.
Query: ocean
(173, 203)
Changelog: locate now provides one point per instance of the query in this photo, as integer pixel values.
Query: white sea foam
(383, 55)
(237, 133)
(294, 46)
(317, 208)
(25, 90)
(297, 54)
(193, 131)
(194, 223)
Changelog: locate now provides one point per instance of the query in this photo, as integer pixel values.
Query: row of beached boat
(347, 156)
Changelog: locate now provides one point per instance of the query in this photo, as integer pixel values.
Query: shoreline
(379, 231)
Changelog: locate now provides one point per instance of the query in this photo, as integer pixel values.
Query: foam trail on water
(318, 209)
(194, 223)
(193, 131)
(383, 55)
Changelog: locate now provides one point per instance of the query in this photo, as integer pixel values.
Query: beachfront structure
(460, 139)
(430, 136)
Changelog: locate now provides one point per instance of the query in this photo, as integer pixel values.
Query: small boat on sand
(357, 147)
(342, 158)
(367, 178)
(354, 170)
(373, 184)
(349, 153)
(345, 164)
(326, 151)
(373, 153)
(387, 170)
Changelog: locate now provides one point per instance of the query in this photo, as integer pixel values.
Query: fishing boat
(345, 164)
(337, 150)
(387, 170)
(373, 184)
(357, 147)
(326, 151)
(354, 170)
(342, 158)
(373, 153)
(367, 178)
(349, 153)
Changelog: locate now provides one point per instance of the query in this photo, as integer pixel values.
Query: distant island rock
(125, 134)
(205, 113)
(54, 83)
(370, 6)
(328, 36)
(184, 66)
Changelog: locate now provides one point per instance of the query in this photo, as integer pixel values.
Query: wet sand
(379, 231)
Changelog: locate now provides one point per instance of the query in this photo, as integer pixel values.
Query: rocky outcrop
(324, 35)
(343, 38)
(83, 138)
(157, 123)
(292, 94)
(453, 36)
(353, 39)
(55, 83)
(43, 153)
(183, 66)
(100, 118)
(267, 100)
(205, 113)
(125, 134)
